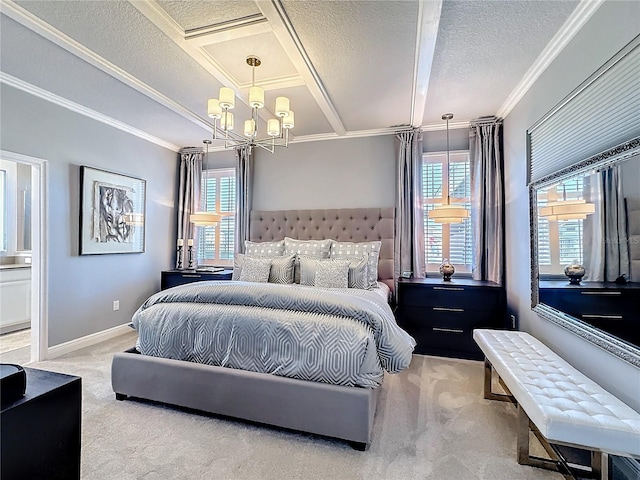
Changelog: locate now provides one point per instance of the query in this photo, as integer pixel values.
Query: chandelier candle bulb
(256, 97)
(227, 98)
(273, 127)
(288, 121)
(213, 108)
(282, 106)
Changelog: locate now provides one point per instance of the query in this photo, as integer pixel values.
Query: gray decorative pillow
(255, 269)
(264, 249)
(357, 275)
(308, 248)
(282, 268)
(332, 274)
(352, 249)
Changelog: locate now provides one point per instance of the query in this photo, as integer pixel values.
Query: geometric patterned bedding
(338, 336)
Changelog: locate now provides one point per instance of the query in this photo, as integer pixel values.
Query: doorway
(23, 260)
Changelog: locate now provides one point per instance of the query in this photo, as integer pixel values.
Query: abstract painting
(112, 212)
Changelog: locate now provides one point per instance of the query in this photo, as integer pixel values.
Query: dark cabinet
(173, 278)
(441, 315)
(604, 305)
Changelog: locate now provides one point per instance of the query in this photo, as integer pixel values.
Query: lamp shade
(227, 121)
(567, 210)
(202, 219)
(288, 121)
(213, 108)
(227, 98)
(282, 106)
(273, 127)
(249, 127)
(449, 214)
(256, 97)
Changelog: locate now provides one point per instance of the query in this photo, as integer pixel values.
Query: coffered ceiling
(350, 68)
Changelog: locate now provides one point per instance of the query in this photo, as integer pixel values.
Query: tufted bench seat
(556, 402)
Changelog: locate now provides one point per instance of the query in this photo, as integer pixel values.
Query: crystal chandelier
(448, 213)
(277, 128)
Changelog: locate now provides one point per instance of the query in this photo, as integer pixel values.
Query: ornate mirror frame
(611, 344)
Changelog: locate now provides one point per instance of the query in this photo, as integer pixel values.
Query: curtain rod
(485, 121)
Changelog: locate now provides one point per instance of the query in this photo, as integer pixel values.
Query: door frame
(39, 260)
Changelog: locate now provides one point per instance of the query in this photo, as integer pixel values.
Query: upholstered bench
(560, 405)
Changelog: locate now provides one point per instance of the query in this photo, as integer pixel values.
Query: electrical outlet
(513, 322)
(116, 305)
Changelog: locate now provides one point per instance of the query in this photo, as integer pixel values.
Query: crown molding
(571, 26)
(39, 26)
(82, 110)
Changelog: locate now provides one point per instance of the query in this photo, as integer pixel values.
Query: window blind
(216, 242)
(599, 115)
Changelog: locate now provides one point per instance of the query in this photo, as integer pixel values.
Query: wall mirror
(584, 190)
(586, 249)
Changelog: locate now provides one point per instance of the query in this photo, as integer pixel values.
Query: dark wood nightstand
(441, 315)
(172, 278)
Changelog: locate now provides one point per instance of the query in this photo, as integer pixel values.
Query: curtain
(188, 195)
(487, 199)
(605, 231)
(409, 238)
(244, 183)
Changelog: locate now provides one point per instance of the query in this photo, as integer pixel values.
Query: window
(560, 242)
(447, 241)
(216, 243)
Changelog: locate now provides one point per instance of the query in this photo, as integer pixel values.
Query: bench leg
(556, 462)
(488, 377)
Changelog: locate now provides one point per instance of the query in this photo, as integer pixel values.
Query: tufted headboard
(633, 227)
(343, 225)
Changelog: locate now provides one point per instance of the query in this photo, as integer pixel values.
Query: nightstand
(441, 316)
(172, 278)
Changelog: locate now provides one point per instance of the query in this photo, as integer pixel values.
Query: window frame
(456, 156)
(208, 175)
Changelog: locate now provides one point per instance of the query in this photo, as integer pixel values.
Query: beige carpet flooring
(431, 423)
(15, 347)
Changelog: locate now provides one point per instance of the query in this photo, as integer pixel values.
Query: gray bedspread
(337, 336)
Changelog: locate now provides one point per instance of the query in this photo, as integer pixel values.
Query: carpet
(431, 423)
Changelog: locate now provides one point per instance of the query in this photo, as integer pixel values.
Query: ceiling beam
(426, 35)
(231, 30)
(288, 38)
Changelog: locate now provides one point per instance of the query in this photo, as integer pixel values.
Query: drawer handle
(444, 309)
(608, 317)
(448, 330)
(453, 289)
(186, 275)
(601, 293)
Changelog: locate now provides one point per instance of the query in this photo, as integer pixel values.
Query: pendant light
(205, 218)
(564, 209)
(448, 213)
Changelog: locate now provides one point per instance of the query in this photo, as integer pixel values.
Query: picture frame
(112, 212)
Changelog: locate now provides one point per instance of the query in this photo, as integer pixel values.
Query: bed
(341, 405)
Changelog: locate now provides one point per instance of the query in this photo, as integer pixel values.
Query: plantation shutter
(216, 243)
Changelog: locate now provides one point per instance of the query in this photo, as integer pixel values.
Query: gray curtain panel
(487, 199)
(605, 231)
(189, 194)
(244, 188)
(409, 239)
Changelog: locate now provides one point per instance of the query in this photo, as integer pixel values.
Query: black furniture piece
(40, 432)
(441, 315)
(605, 305)
(172, 278)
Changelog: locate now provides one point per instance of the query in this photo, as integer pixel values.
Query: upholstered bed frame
(335, 411)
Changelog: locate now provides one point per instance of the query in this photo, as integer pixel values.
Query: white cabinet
(15, 298)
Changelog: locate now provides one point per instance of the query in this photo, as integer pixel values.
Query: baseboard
(87, 341)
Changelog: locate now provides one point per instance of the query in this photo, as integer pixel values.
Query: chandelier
(277, 128)
(448, 213)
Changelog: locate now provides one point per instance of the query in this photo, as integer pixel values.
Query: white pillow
(255, 269)
(352, 249)
(332, 274)
(264, 249)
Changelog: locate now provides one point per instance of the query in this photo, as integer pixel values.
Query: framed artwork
(112, 212)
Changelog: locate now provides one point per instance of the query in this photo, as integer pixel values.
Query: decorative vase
(447, 269)
(575, 272)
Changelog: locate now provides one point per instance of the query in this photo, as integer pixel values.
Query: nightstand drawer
(468, 298)
(173, 278)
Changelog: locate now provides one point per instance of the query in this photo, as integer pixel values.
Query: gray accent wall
(82, 288)
(610, 28)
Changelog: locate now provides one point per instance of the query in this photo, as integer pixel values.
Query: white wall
(611, 28)
(82, 288)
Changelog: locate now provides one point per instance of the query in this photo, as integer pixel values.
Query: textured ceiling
(349, 67)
